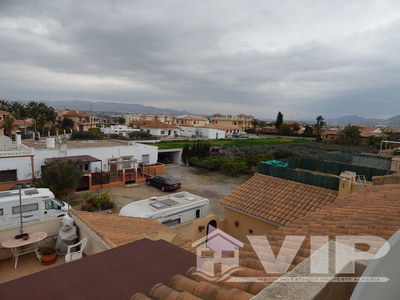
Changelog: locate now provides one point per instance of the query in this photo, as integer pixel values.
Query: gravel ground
(211, 185)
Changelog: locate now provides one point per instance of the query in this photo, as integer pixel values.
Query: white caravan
(37, 205)
(170, 209)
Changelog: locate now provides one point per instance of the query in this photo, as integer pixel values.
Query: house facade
(82, 121)
(117, 161)
(202, 132)
(242, 121)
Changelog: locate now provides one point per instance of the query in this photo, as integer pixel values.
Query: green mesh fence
(292, 169)
(373, 161)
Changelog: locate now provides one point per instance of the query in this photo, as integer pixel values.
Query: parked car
(165, 183)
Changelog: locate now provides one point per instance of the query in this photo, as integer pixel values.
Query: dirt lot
(211, 185)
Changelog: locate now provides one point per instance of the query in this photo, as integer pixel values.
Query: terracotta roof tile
(277, 200)
(373, 210)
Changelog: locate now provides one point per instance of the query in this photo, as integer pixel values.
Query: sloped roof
(117, 230)
(153, 124)
(117, 273)
(75, 159)
(277, 200)
(373, 210)
(4, 113)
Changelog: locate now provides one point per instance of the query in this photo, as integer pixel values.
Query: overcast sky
(304, 58)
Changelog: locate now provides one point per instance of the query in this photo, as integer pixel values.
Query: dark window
(8, 175)
(172, 222)
(1, 211)
(197, 213)
(25, 208)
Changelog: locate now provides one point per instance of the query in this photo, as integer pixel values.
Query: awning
(74, 159)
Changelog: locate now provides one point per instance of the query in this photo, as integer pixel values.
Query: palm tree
(350, 135)
(17, 109)
(4, 105)
(40, 113)
(8, 125)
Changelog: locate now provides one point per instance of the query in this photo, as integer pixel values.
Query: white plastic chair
(70, 256)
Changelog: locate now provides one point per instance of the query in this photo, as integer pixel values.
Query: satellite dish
(5, 142)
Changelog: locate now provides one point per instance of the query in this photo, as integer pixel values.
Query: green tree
(295, 128)
(8, 125)
(318, 126)
(67, 123)
(279, 120)
(349, 136)
(285, 129)
(4, 105)
(40, 113)
(308, 130)
(59, 176)
(17, 109)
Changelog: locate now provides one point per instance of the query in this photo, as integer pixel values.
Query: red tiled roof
(4, 113)
(277, 200)
(373, 210)
(22, 122)
(153, 124)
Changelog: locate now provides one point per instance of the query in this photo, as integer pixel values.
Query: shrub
(140, 135)
(101, 201)
(281, 154)
(234, 167)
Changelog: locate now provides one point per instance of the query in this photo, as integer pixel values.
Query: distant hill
(394, 121)
(352, 119)
(113, 107)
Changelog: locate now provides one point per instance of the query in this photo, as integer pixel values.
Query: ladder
(361, 181)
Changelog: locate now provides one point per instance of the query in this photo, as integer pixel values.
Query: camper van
(37, 205)
(170, 210)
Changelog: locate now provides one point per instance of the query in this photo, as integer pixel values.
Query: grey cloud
(185, 53)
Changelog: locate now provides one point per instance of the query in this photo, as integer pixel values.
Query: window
(197, 213)
(162, 132)
(8, 175)
(172, 222)
(48, 205)
(1, 211)
(25, 208)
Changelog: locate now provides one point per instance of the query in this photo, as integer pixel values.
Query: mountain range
(393, 122)
(113, 107)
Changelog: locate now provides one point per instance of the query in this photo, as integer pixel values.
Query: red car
(165, 183)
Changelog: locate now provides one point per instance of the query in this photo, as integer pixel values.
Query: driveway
(212, 185)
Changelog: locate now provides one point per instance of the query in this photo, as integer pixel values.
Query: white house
(24, 162)
(122, 130)
(202, 132)
(160, 129)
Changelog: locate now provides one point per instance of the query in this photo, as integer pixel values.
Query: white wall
(158, 131)
(22, 164)
(24, 169)
(209, 133)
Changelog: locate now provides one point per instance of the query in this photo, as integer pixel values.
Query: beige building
(243, 121)
(82, 121)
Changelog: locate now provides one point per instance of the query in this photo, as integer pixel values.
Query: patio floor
(27, 264)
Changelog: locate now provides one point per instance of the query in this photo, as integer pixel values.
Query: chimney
(18, 138)
(347, 183)
(50, 143)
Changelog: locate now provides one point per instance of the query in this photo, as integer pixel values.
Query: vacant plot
(211, 185)
(233, 142)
